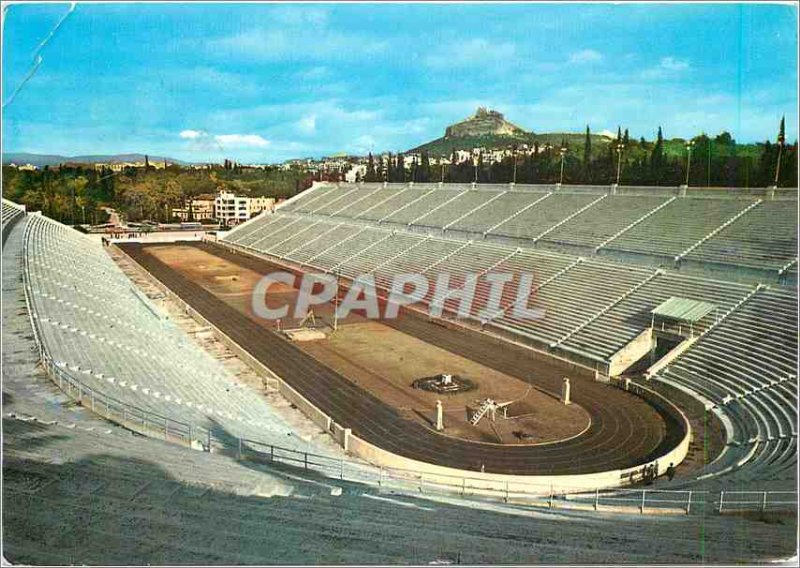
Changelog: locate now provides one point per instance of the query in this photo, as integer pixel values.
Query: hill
(40, 160)
(489, 129)
(483, 122)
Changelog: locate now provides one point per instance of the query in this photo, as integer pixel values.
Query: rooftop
(683, 309)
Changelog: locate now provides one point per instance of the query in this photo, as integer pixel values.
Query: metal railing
(176, 431)
(690, 501)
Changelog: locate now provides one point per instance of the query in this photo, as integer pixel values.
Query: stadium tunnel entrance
(660, 346)
(675, 325)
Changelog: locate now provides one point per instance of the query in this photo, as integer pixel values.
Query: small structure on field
(444, 384)
(305, 332)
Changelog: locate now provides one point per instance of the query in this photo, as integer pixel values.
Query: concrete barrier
(479, 483)
(632, 352)
(674, 456)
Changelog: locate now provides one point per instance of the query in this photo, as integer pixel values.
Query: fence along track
(175, 431)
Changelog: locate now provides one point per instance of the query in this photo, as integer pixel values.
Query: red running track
(624, 431)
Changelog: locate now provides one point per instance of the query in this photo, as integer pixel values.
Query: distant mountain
(489, 129)
(483, 123)
(40, 160)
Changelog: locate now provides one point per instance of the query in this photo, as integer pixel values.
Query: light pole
(778, 165)
(442, 164)
(619, 147)
(689, 146)
(563, 152)
(515, 167)
(475, 161)
(336, 303)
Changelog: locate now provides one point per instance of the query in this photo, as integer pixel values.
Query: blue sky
(268, 82)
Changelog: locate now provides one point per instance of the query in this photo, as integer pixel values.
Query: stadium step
(406, 206)
(473, 210)
(440, 206)
(367, 195)
(491, 229)
(554, 277)
(568, 218)
(718, 229)
(604, 310)
(632, 225)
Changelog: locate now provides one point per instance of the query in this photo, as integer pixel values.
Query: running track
(624, 432)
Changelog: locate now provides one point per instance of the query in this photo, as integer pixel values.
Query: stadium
(653, 400)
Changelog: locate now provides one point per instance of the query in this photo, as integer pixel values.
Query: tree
(400, 169)
(370, 175)
(390, 168)
(657, 159)
(625, 138)
(781, 142)
(479, 171)
(724, 138)
(766, 165)
(424, 174)
(380, 173)
(78, 189)
(587, 156)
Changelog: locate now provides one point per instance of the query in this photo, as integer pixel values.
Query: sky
(266, 82)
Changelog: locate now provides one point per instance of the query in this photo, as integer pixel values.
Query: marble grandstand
(95, 325)
(603, 261)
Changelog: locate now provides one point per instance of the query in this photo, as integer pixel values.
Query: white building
(24, 167)
(202, 208)
(230, 209)
(359, 170)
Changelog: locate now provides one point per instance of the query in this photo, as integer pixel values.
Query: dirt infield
(385, 361)
(624, 430)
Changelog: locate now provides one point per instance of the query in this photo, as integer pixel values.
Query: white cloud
(296, 43)
(667, 67)
(192, 134)
(363, 144)
(241, 140)
(475, 52)
(231, 140)
(205, 78)
(672, 64)
(585, 56)
(307, 124)
(329, 116)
